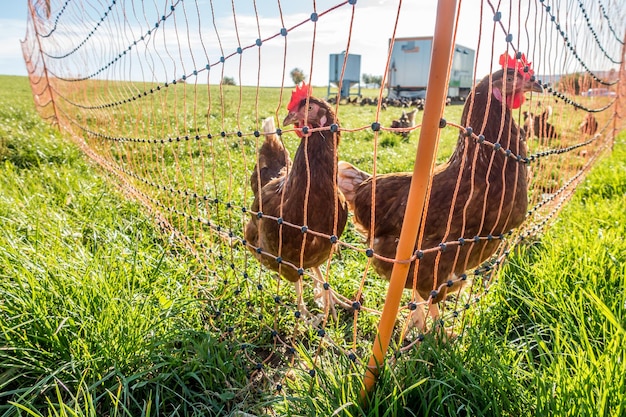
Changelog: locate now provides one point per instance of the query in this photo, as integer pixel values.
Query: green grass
(548, 340)
(102, 314)
(96, 308)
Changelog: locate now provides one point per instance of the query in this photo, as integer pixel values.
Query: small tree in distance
(369, 79)
(228, 81)
(376, 79)
(297, 75)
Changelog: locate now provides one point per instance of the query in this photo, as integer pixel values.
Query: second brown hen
(479, 192)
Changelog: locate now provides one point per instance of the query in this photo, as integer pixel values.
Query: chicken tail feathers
(547, 113)
(272, 157)
(349, 178)
(269, 128)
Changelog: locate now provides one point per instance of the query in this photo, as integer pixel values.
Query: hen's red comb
(301, 91)
(509, 62)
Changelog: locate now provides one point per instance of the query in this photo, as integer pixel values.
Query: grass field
(102, 315)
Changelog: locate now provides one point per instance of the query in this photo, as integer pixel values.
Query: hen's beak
(291, 117)
(532, 86)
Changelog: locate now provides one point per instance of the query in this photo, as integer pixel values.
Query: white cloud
(11, 31)
(11, 59)
(187, 39)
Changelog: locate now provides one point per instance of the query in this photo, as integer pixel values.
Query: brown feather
(273, 159)
(589, 126)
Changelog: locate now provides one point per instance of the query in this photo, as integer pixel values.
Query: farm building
(351, 74)
(410, 64)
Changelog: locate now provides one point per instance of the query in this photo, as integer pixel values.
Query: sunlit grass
(101, 314)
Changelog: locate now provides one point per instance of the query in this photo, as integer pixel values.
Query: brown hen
(589, 126)
(289, 190)
(539, 126)
(478, 192)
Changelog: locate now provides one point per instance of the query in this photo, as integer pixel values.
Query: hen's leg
(446, 333)
(417, 319)
(328, 295)
(322, 296)
(304, 312)
(433, 311)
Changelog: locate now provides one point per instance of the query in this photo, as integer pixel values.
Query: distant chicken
(478, 192)
(589, 126)
(529, 124)
(287, 190)
(539, 125)
(407, 120)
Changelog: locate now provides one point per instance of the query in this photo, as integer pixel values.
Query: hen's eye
(310, 108)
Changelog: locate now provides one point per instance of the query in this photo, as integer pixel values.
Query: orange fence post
(422, 170)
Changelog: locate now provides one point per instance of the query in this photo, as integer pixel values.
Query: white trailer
(410, 65)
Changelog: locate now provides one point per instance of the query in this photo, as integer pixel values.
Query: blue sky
(12, 29)
(373, 26)
(331, 38)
